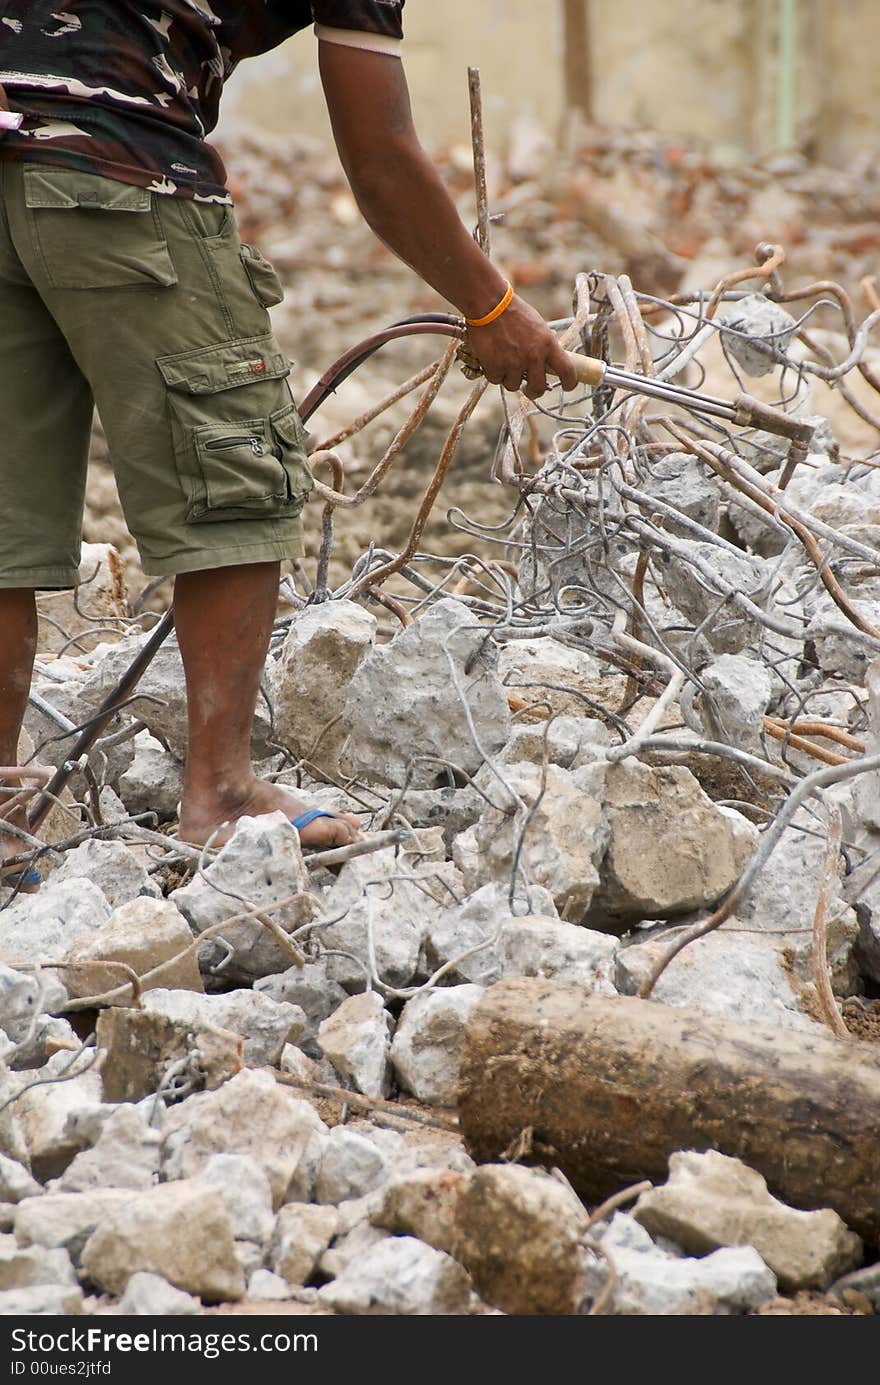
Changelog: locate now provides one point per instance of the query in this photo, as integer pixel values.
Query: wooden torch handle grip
(590, 371)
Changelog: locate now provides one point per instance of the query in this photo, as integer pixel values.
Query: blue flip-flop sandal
(21, 879)
(304, 819)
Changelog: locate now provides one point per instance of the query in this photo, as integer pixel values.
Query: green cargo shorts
(152, 309)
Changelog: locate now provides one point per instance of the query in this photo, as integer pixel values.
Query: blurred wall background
(746, 77)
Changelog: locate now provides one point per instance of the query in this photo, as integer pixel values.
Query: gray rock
(15, 1182)
(426, 1050)
(153, 782)
(244, 1190)
(650, 871)
(178, 1230)
(757, 333)
(351, 1166)
(66, 1219)
(393, 894)
(50, 1033)
(557, 951)
(143, 934)
(309, 683)
(298, 1064)
(41, 1300)
(424, 1204)
(265, 1024)
(738, 694)
(302, 1234)
(400, 1277)
(150, 1296)
(479, 923)
(21, 1267)
(679, 479)
(20, 1004)
(559, 835)
(653, 1283)
(125, 1155)
(567, 739)
(357, 1040)
(161, 700)
(112, 867)
(42, 1111)
(519, 1236)
(41, 927)
(725, 626)
(572, 681)
(267, 1287)
(403, 702)
(261, 864)
(351, 1246)
(865, 1281)
(252, 1114)
(313, 990)
(724, 973)
(712, 1200)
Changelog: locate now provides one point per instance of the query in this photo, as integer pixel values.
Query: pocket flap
(65, 187)
(215, 368)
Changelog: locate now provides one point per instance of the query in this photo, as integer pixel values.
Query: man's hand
(4, 104)
(518, 350)
(405, 201)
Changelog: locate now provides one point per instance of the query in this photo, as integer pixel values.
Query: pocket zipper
(257, 446)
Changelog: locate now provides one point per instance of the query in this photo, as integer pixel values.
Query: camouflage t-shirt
(130, 89)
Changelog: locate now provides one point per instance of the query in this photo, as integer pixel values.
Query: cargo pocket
(263, 276)
(94, 233)
(238, 439)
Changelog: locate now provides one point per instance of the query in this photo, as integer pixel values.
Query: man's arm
(402, 196)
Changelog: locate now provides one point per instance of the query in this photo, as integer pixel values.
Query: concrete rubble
(264, 1110)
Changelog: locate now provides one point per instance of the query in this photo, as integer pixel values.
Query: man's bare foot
(200, 817)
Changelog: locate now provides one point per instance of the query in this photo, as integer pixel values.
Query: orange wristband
(495, 313)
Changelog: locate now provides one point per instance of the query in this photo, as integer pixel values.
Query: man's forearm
(407, 205)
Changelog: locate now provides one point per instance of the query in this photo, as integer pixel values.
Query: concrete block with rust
(140, 1047)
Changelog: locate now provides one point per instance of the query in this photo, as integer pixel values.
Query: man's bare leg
(18, 646)
(224, 620)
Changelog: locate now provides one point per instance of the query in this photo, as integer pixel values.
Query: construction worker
(123, 283)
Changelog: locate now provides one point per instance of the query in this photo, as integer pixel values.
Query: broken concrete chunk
(15, 1182)
(725, 625)
(670, 848)
(400, 1277)
(351, 1166)
(573, 682)
(565, 740)
(265, 1025)
(403, 703)
(423, 1204)
(558, 951)
(143, 934)
(476, 926)
(266, 1287)
(252, 1115)
(150, 1295)
(243, 1188)
(153, 782)
(681, 480)
(66, 1219)
(41, 927)
(302, 1234)
(323, 650)
(180, 1231)
(102, 599)
(652, 1283)
(141, 1049)
(559, 835)
(519, 1236)
(112, 867)
(312, 990)
(41, 1300)
(738, 692)
(757, 333)
(357, 1040)
(125, 1155)
(712, 1200)
(742, 978)
(20, 1004)
(21, 1267)
(42, 1110)
(261, 864)
(426, 1050)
